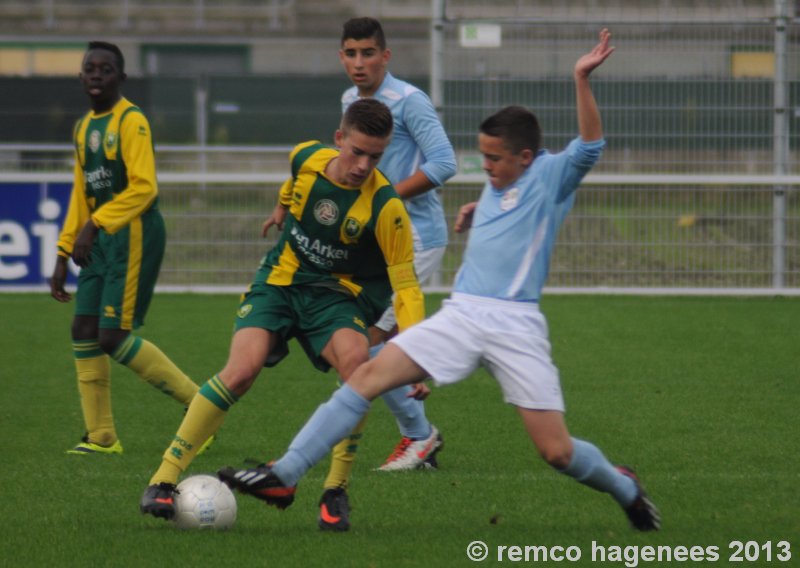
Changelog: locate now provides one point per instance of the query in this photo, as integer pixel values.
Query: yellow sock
(153, 366)
(94, 386)
(342, 458)
(203, 418)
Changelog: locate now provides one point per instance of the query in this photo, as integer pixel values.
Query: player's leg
(415, 429)
(263, 308)
(131, 278)
(207, 411)
(92, 364)
(518, 356)
(332, 421)
(346, 350)
(249, 349)
(94, 386)
(445, 346)
(584, 462)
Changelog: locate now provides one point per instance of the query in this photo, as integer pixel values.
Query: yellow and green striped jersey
(354, 239)
(114, 174)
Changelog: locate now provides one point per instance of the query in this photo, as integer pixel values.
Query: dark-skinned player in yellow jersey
(114, 231)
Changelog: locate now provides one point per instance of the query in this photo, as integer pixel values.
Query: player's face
(501, 165)
(365, 64)
(358, 156)
(101, 78)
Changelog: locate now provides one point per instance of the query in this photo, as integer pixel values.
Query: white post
(780, 145)
(437, 80)
(201, 122)
(437, 54)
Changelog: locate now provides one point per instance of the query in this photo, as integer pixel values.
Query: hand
(57, 280)
(589, 62)
(419, 391)
(464, 219)
(82, 249)
(277, 218)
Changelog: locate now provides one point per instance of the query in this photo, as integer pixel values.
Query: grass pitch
(698, 394)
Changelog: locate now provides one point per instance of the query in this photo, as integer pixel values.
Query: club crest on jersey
(94, 140)
(326, 212)
(352, 227)
(111, 139)
(244, 311)
(510, 199)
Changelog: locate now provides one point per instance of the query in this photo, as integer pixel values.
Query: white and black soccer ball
(204, 502)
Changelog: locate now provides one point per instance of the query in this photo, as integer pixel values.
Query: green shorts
(309, 313)
(118, 284)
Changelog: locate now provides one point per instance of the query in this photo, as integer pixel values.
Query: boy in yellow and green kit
(114, 231)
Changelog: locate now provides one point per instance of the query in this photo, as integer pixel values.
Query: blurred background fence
(697, 189)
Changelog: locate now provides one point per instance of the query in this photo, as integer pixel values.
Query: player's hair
(516, 126)
(112, 48)
(364, 28)
(368, 116)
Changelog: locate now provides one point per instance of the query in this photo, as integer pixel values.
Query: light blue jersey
(419, 142)
(514, 228)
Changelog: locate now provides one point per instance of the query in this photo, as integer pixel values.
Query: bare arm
(589, 125)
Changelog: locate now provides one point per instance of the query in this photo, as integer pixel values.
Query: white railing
(667, 234)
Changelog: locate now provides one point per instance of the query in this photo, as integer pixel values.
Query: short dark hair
(364, 28)
(516, 126)
(370, 117)
(112, 48)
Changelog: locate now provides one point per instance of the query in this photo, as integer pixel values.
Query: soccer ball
(204, 502)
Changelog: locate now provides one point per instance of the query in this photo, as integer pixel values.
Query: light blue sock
(331, 422)
(408, 412)
(590, 467)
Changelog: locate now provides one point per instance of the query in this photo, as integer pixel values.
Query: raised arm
(589, 125)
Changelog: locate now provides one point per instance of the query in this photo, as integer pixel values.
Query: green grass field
(698, 394)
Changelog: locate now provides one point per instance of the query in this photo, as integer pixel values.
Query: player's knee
(109, 339)
(557, 455)
(238, 379)
(84, 328)
(364, 382)
(352, 360)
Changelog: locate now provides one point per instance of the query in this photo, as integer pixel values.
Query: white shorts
(508, 338)
(426, 263)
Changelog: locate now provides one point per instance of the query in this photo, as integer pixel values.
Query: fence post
(437, 53)
(780, 145)
(201, 122)
(437, 80)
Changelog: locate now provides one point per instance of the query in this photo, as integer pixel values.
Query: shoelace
(400, 449)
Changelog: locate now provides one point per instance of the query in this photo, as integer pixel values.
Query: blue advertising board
(31, 215)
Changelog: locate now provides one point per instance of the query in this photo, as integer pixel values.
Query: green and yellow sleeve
(136, 146)
(395, 237)
(78, 212)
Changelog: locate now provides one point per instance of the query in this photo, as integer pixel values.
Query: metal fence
(697, 190)
(700, 116)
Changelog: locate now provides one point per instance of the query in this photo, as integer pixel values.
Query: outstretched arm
(589, 124)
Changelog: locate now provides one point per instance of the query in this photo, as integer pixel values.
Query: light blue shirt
(514, 228)
(419, 142)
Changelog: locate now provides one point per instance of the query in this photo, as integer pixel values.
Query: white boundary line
(471, 179)
(554, 291)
